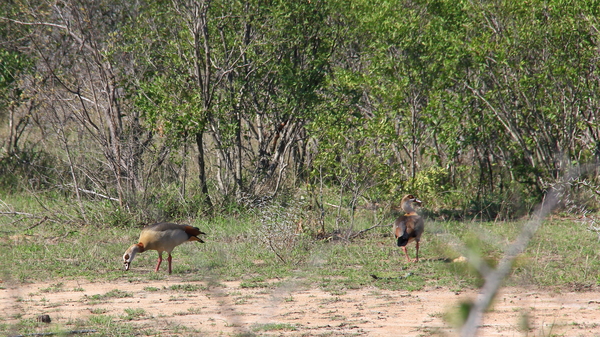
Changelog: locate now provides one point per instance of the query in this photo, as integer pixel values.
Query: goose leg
(169, 259)
(417, 259)
(406, 253)
(159, 261)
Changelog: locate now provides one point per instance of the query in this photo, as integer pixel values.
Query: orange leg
(169, 259)
(159, 261)
(417, 259)
(406, 253)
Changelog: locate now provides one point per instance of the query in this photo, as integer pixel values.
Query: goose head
(407, 202)
(130, 254)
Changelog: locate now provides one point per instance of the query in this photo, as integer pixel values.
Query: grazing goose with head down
(410, 226)
(162, 237)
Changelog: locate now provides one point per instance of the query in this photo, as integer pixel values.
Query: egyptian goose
(410, 226)
(162, 237)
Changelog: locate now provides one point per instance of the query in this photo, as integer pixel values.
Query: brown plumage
(162, 237)
(410, 226)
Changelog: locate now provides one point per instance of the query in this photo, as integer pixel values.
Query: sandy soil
(194, 308)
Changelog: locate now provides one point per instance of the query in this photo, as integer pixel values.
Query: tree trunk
(201, 170)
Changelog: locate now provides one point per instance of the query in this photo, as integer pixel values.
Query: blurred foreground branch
(495, 277)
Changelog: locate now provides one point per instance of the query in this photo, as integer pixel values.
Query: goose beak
(417, 201)
(126, 265)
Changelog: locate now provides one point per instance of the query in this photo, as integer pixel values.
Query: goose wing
(402, 230)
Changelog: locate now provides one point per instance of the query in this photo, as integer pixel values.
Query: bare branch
(18, 213)
(494, 279)
(367, 229)
(35, 23)
(98, 194)
(44, 219)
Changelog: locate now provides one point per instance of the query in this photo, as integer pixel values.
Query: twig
(98, 194)
(38, 223)
(92, 193)
(35, 23)
(18, 213)
(275, 251)
(367, 229)
(29, 215)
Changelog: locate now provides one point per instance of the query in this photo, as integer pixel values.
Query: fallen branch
(18, 213)
(37, 224)
(90, 192)
(98, 194)
(367, 229)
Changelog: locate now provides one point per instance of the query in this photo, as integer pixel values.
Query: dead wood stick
(367, 229)
(17, 213)
(38, 223)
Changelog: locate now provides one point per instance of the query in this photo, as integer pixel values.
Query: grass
(133, 313)
(233, 252)
(54, 288)
(190, 311)
(561, 255)
(186, 287)
(255, 282)
(274, 327)
(230, 254)
(151, 289)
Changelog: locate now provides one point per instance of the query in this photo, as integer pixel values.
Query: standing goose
(162, 237)
(410, 226)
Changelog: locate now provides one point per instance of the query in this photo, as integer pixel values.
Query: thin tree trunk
(238, 149)
(72, 171)
(413, 153)
(201, 169)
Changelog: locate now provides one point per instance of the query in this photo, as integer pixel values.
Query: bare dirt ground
(176, 307)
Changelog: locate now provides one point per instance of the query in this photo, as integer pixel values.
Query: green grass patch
(115, 293)
(274, 327)
(236, 250)
(190, 311)
(133, 314)
(54, 288)
(99, 311)
(186, 287)
(257, 282)
(151, 289)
